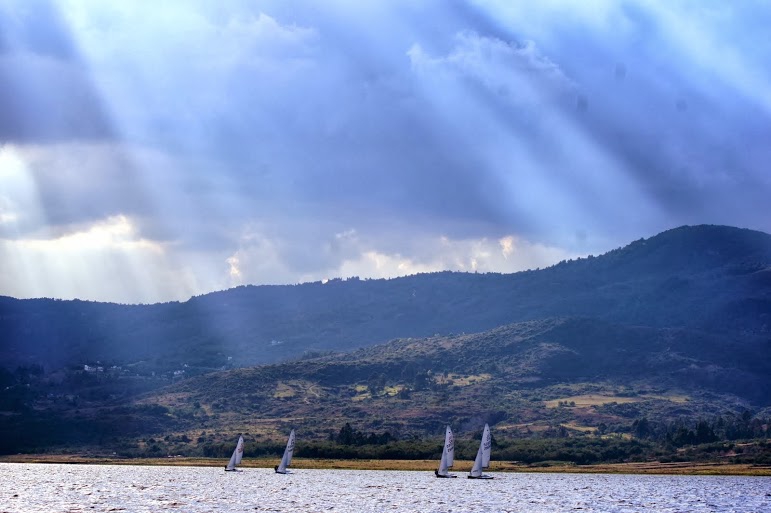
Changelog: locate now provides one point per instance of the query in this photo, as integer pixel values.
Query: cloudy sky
(150, 151)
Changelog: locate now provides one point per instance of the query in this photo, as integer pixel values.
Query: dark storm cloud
(352, 127)
(45, 91)
(686, 135)
(287, 141)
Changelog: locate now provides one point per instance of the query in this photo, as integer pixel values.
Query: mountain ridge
(708, 277)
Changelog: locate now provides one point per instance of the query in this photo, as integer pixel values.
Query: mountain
(647, 340)
(703, 277)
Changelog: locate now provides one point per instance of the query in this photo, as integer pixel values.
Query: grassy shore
(416, 465)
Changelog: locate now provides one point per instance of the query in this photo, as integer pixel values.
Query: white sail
(476, 470)
(287, 458)
(449, 446)
(482, 461)
(238, 453)
(448, 454)
(487, 443)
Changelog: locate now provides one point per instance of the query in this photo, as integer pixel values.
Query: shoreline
(681, 468)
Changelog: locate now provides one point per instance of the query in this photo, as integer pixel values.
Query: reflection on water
(27, 488)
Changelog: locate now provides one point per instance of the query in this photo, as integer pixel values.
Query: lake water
(50, 488)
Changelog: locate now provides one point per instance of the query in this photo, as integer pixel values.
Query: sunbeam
(178, 149)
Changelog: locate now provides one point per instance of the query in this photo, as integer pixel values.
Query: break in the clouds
(152, 151)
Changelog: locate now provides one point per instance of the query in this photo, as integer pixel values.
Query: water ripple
(28, 488)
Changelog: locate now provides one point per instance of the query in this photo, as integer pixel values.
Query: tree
(704, 433)
(641, 428)
(346, 435)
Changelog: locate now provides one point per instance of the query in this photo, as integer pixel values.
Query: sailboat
(287, 458)
(448, 455)
(482, 460)
(238, 453)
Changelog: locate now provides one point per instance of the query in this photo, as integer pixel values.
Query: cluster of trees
(579, 450)
(727, 427)
(17, 387)
(351, 436)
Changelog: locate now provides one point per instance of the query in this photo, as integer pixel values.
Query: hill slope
(547, 378)
(503, 376)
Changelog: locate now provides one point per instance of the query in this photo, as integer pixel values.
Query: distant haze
(150, 151)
